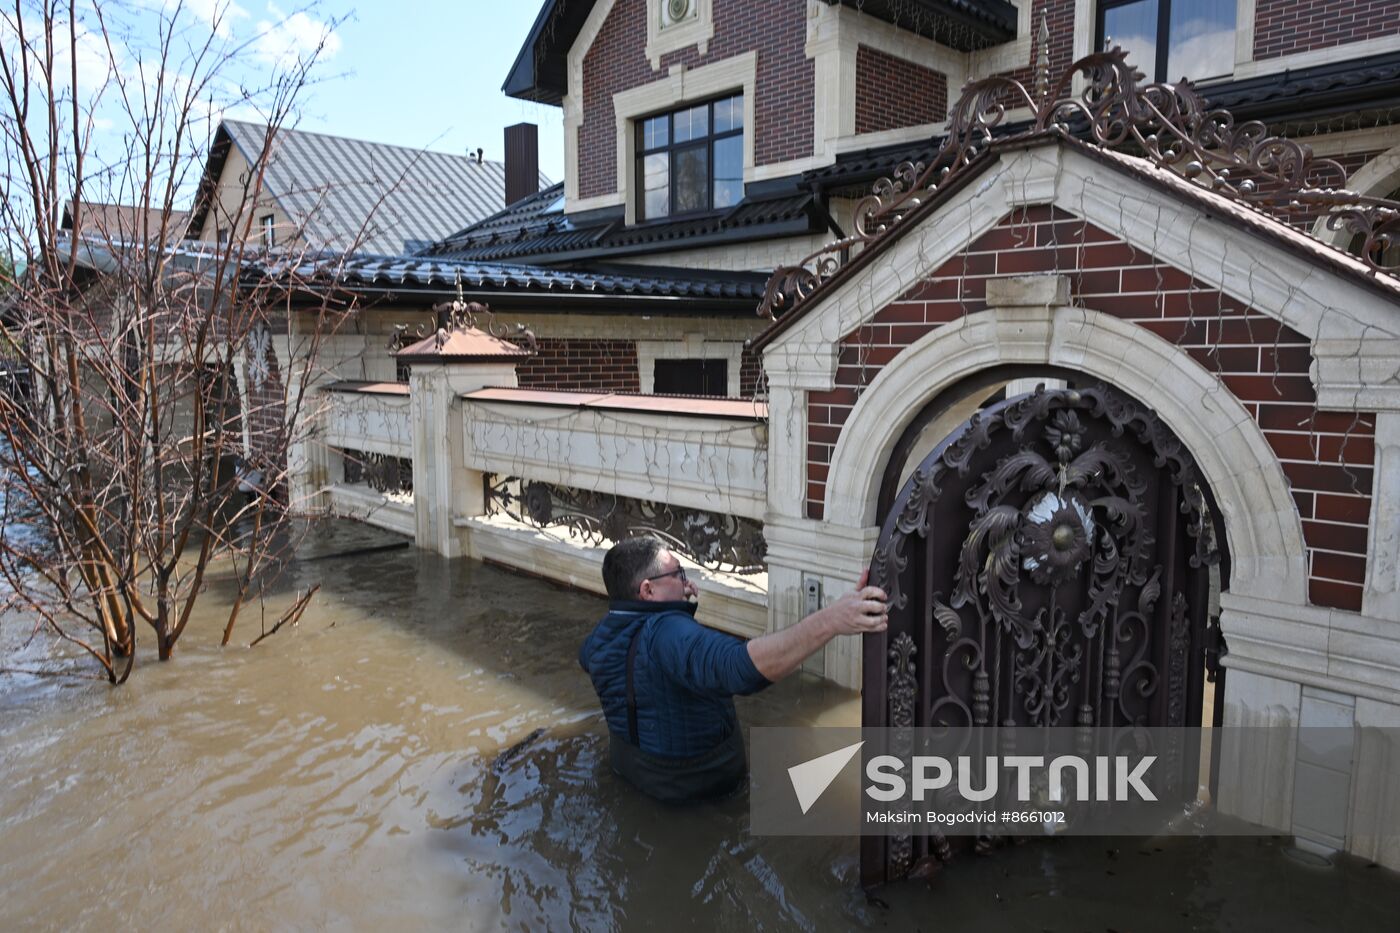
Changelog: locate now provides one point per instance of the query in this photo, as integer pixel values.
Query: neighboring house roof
(599, 287)
(118, 223)
(349, 193)
(1236, 213)
(537, 229)
(540, 72)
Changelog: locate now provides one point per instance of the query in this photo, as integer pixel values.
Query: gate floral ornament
(1048, 565)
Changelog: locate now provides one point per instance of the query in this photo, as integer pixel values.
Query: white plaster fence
(636, 447)
(370, 418)
(709, 455)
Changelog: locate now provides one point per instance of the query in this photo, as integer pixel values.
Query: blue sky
(420, 73)
(427, 74)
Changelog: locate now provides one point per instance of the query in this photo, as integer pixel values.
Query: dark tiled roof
(492, 281)
(538, 229)
(863, 167)
(1355, 83)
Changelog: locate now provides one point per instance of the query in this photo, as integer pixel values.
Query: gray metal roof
(379, 199)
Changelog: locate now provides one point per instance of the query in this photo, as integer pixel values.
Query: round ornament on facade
(677, 10)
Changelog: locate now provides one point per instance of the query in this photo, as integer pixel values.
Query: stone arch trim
(1379, 177)
(1262, 526)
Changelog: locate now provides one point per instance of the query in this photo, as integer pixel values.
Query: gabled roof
(119, 223)
(378, 198)
(537, 229)
(540, 71)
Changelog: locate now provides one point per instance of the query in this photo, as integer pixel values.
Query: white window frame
(696, 31)
(690, 346)
(683, 85)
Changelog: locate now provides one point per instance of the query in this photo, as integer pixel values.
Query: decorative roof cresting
(1167, 124)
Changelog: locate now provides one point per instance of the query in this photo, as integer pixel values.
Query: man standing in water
(667, 683)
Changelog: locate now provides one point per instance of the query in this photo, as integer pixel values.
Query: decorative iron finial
(460, 315)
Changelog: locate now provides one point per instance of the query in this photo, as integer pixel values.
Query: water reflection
(423, 751)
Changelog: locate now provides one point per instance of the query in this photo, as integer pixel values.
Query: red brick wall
(750, 374)
(598, 365)
(775, 29)
(891, 92)
(1264, 364)
(1059, 17)
(1283, 27)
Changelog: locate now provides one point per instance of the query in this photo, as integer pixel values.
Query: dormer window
(690, 161)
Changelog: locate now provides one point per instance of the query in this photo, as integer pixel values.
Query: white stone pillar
(444, 367)
(1256, 766)
(1381, 598)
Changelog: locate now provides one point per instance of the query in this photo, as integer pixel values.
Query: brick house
(733, 139)
(1219, 293)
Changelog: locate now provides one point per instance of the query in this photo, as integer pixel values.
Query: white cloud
(295, 38)
(219, 14)
(1204, 49)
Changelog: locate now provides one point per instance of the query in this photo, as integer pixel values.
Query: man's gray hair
(628, 563)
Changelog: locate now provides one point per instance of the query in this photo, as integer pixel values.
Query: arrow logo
(811, 778)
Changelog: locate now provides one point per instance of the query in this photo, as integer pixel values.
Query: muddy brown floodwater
(363, 771)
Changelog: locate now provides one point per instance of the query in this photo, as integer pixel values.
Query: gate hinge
(1215, 648)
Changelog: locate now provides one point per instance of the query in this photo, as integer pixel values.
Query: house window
(691, 377)
(1171, 39)
(269, 235)
(691, 160)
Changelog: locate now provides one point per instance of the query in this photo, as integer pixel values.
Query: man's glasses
(678, 572)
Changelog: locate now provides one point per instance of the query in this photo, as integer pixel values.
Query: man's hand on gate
(778, 654)
(865, 610)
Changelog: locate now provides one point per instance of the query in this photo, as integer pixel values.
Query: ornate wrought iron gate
(1048, 565)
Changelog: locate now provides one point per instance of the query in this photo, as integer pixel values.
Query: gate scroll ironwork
(1048, 565)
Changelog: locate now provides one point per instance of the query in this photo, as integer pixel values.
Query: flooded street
(423, 751)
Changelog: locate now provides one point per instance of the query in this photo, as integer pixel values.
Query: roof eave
(524, 81)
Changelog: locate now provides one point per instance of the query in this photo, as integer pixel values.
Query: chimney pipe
(522, 161)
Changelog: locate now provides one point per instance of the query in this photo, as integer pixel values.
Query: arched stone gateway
(1174, 276)
(1048, 564)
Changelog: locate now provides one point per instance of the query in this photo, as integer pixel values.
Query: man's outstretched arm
(779, 654)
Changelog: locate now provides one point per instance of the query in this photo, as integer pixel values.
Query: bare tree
(137, 465)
